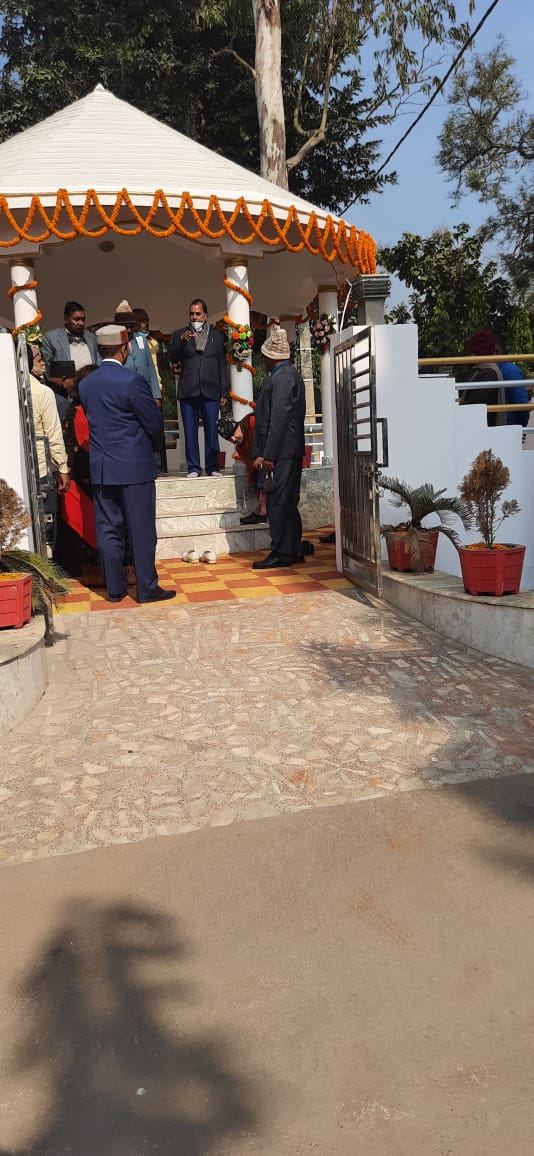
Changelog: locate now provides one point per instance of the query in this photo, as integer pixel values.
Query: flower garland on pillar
(31, 328)
(236, 327)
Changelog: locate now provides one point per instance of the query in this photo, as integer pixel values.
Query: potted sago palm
(490, 567)
(410, 545)
(27, 581)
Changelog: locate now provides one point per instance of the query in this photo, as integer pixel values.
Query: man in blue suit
(125, 427)
(72, 342)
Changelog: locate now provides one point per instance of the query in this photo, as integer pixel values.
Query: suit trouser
(283, 508)
(131, 510)
(190, 408)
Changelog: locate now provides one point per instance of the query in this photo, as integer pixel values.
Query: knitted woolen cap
(481, 344)
(276, 345)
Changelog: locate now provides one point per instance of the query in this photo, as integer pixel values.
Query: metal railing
(313, 436)
(460, 386)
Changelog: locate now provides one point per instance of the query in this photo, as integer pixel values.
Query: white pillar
(306, 368)
(238, 309)
(327, 304)
(25, 305)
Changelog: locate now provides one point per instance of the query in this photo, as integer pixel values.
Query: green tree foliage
(453, 293)
(190, 64)
(487, 142)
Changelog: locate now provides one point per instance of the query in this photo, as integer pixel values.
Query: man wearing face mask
(203, 386)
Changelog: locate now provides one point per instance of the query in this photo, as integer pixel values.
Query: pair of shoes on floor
(254, 519)
(158, 595)
(275, 562)
(208, 556)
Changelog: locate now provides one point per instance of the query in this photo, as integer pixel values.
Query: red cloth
(77, 511)
(81, 428)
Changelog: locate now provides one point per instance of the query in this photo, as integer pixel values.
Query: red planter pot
(15, 599)
(398, 556)
(492, 571)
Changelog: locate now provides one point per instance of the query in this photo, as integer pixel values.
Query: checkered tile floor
(230, 579)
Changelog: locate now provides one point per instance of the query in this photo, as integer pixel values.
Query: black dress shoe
(306, 547)
(118, 597)
(159, 595)
(272, 562)
(299, 559)
(328, 539)
(253, 519)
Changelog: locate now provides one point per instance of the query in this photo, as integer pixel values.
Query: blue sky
(420, 202)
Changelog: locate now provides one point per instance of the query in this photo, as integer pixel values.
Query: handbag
(226, 426)
(269, 483)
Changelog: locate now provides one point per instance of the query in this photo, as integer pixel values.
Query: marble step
(202, 493)
(220, 540)
(180, 521)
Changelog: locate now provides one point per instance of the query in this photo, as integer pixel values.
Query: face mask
(197, 325)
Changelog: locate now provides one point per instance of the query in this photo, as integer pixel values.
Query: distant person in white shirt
(47, 425)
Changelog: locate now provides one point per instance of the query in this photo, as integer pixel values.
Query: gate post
(370, 291)
(327, 304)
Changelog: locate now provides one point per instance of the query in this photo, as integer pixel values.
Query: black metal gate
(357, 458)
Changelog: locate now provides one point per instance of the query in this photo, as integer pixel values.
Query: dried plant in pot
(27, 580)
(490, 567)
(410, 545)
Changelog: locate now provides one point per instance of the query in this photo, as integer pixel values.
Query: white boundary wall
(12, 464)
(433, 439)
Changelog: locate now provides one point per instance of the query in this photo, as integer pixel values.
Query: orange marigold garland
(32, 328)
(335, 240)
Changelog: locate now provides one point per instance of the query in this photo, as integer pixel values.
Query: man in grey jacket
(279, 448)
(72, 342)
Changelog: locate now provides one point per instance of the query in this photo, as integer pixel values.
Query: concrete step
(222, 541)
(179, 521)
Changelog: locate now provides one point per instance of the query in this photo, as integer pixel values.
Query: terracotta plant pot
(15, 599)
(398, 556)
(494, 572)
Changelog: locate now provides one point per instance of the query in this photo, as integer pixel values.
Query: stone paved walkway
(177, 718)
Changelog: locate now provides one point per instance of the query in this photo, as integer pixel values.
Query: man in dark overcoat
(279, 448)
(125, 427)
(202, 386)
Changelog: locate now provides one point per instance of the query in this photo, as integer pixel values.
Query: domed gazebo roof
(103, 173)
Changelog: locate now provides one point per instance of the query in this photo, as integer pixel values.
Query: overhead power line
(436, 92)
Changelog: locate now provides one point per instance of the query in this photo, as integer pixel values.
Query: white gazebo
(100, 202)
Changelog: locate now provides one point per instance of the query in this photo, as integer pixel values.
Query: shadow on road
(113, 1040)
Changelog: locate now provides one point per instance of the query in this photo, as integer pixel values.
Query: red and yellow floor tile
(230, 579)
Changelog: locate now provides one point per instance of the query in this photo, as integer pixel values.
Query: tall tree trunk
(269, 97)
